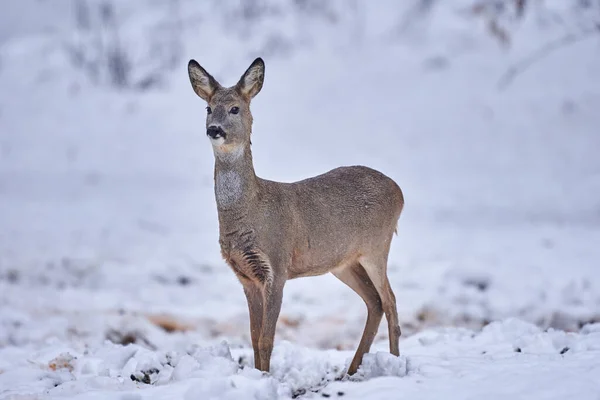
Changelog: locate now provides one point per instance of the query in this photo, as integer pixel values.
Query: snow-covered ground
(108, 229)
(509, 359)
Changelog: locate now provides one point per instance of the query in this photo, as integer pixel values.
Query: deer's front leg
(272, 295)
(255, 307)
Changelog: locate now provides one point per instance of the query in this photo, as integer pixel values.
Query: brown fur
(340, 222)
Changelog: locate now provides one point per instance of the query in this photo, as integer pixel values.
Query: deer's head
(228, 116)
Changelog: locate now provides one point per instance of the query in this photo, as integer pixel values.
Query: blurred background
(486, 112)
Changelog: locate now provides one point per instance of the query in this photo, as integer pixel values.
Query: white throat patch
(228, 187)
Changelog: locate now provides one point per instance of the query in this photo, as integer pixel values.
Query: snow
(507, 358)
(109, 261)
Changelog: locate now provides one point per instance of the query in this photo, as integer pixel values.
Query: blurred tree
(579, 18)
(137, 53)
(108, 56)
(118, 65)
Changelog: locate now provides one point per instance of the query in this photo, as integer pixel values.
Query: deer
(341, 221)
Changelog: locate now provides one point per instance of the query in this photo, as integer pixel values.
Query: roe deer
(340, 222)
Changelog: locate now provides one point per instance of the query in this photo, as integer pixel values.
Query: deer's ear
(252, 81)
(202, 82)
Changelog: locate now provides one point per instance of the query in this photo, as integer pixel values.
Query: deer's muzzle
(215, 132)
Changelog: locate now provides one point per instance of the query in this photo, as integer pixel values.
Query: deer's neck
(236, 184)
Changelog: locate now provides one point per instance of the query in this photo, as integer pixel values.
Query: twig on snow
(516, 69)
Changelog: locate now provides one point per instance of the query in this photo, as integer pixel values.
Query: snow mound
(381, 364)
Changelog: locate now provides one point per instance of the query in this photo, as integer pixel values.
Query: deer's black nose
(215, 132)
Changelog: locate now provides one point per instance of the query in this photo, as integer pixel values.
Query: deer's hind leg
(376, 268)
(357, 279)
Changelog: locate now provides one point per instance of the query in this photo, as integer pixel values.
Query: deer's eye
(234, 110)
(208, 110)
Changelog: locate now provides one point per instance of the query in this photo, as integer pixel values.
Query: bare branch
(516, 69)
